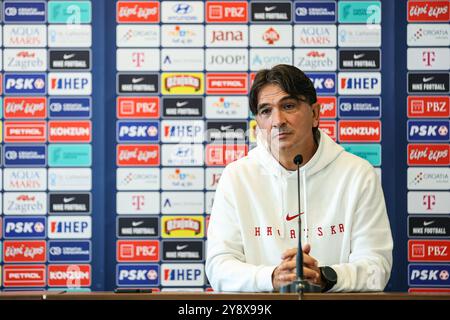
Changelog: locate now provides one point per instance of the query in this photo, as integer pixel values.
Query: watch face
(329, 274)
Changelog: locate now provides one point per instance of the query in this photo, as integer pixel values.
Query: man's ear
(315, 113)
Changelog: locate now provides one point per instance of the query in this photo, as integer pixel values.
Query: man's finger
(289, 253)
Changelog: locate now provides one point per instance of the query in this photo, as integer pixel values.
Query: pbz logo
(137, 275)
(25, 83)
(437, 130)
(137, 131)
(24, 227)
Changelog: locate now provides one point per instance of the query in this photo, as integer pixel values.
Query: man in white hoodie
(252, 234)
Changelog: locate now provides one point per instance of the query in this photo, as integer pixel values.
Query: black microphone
(298, 159)
(300, 285)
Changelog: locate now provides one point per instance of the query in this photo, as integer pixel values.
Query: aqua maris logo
(20, 36)
(310, 35)
(24, 179)
(24, 12)
(70, 12)
(359, 12)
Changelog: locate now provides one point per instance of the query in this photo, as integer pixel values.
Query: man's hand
(285, 273)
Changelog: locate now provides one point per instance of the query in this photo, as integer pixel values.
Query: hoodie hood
(320, 159)
(327, 151)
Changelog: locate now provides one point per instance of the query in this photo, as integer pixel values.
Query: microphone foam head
(298, 159)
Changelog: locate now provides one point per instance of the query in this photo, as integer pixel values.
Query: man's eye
(289, 106)
(264, 111)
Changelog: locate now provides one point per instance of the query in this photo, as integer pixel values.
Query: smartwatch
(329, 277)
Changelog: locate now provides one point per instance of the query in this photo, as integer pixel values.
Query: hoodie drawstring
(305, 207)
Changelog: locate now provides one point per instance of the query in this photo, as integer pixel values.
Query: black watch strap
(329, 277)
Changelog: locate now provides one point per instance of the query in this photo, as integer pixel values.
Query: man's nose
(278, 118)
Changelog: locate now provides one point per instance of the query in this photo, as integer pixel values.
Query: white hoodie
(253, 220)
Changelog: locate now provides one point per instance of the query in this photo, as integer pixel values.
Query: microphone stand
(299, 285)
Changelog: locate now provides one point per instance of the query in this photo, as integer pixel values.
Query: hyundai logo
(182, 8)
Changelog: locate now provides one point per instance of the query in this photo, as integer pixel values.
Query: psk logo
(182, 8)
(443, 275)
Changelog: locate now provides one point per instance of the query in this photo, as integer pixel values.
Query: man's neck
(287, 158)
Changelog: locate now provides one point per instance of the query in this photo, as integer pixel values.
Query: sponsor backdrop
(143, 103)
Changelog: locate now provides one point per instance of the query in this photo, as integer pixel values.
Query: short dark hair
(289, 78)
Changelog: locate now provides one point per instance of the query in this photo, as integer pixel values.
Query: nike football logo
(224, 128)
(69, 56)
(66, 200)
(268, 9)
(428, 79)
(427, 223)
(358, 56)
(137, 80)
(137, 224)
(289, 218)
(179, 248)
(181, 104)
